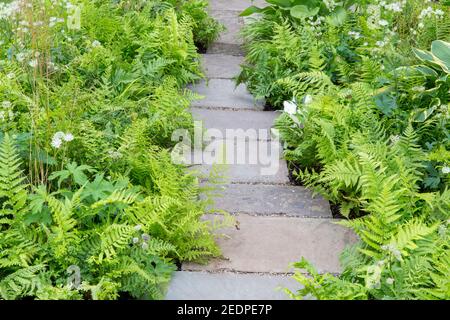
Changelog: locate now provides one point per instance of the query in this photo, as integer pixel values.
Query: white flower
(33, 63)
(383, 23)
(446, 170)
(96, 44)
(56, 143)
(389, 281)
(380, 43)
(135, 240)
(439, 12)
(6, 104)
(145, 246)
(11, 75)
(290, 107)
(138, 227)
(68, 137)
(59, 135)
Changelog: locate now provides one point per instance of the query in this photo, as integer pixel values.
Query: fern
(13, 193)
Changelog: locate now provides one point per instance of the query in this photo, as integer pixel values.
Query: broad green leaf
(250, 10)
(302, 12)
(281, 3)
(338, 17)
(422, 115)
(441, 52)
(423, 55)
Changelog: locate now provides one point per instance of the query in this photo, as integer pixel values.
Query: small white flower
(6, 104)
(59, 135)
(33, 63)
(138, 227)
(135, 240)
(68, 137)
(145, 246)
(383, 23)
(290, 107)
(389, 281)
(11, 75)
(446, 170)
(96, 44)
(56, 143)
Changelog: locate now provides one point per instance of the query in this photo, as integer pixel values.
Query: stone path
(277, 223)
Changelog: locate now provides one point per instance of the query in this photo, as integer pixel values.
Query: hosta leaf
(302, 12)
(441, 52)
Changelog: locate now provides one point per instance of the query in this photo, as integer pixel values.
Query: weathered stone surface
(222, 93)
(229, 286)
(237, 5)
(226, 48)
(221, 66)
(232, 120)
(233, 24)
(248, 173)
(270, 244)
(294, 201)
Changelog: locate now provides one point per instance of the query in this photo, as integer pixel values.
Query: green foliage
(92, 206)
(370, 134)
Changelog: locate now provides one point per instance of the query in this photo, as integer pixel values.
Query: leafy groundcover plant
(91, 206)
(365, 124)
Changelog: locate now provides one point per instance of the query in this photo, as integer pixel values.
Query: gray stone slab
(238, 5)
(247, 173)
(271, 244)
(226, 48)
(223, 93)
(233, 24)
(233, 120)
(258, 199)
(229, 286)
(221, 66)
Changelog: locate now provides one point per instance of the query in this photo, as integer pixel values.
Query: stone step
(270, 244)
(247, 173)
(229, 286)
(266, 200)
(233, 24)
(223, 93)
(223, 120)
(221, 66)
(235, 5)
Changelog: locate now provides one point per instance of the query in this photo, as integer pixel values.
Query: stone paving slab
(238, 5)
(270, 244)
(221, 66)
(232, 120)
(226, 48)
(233, 24)
(248, 173)
(229, 286)
(259, 199)
(222, 93)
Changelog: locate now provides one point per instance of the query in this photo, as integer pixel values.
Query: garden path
(277, 223)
